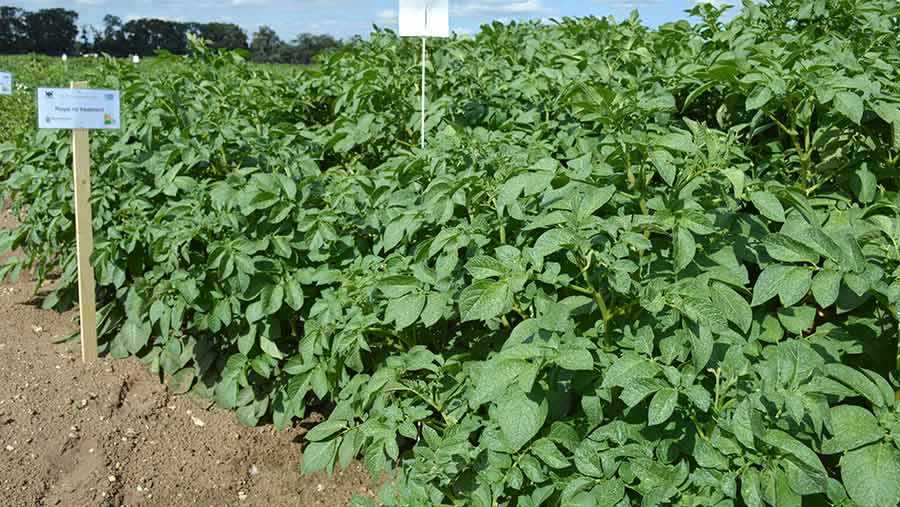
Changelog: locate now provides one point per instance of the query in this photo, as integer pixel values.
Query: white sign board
(5, 83)
(67, 108)
(424, 18)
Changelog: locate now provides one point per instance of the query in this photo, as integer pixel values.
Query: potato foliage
(633, 266)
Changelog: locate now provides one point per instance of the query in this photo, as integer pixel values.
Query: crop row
(631, 267)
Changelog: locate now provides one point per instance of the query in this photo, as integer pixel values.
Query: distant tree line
(56, 31)
(266, 46)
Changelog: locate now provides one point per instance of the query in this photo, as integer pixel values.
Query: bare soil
(109, 434)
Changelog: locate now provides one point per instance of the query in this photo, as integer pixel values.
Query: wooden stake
(84, 238)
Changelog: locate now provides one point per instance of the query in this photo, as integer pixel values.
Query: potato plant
(632, 267)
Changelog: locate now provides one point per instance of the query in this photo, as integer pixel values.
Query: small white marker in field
(5, 83)
(135, 59)
(424, 18)
(65, 57)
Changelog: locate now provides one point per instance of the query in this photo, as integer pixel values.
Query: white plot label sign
(68, 108)
(5, 83)
(424, 18)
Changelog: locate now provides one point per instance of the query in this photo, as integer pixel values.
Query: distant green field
(17, 112)
(29, 72)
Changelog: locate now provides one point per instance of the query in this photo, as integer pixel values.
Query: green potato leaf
(871, 475)
(521, 417)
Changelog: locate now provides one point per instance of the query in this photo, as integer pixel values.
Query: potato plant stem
(423, 95)
(897, 359)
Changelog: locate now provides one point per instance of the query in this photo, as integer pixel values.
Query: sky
(345, 18)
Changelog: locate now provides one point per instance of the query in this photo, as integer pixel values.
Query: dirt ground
(109, 434)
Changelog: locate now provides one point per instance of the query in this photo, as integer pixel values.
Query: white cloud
(630, 4)
(497, 7)
(386, 16)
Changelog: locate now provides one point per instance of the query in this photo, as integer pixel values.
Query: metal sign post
(424, 18)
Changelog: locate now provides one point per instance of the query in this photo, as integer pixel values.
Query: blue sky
(344, 18)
